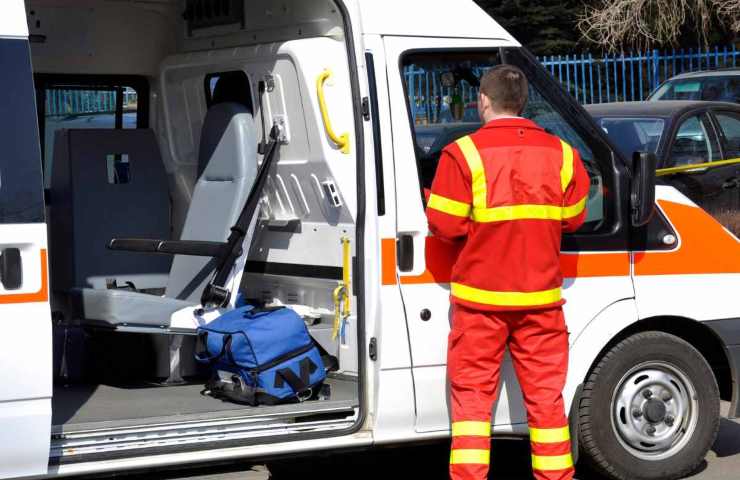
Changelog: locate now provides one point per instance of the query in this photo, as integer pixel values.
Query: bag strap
(298, 384)
(201, 349)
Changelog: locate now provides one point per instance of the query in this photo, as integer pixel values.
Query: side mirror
(642, 189)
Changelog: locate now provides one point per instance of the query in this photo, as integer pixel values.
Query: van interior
(154, 116)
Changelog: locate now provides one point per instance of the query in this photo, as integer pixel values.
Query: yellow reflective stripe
(508, 299)
(470, 456)
(518, 212)
(552, 462)
(566, 172)
(478, 174)
(549, 435)
(449, 206)
(575, 210)
(471, 429)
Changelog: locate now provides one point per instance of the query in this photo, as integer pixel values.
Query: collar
(512, 122)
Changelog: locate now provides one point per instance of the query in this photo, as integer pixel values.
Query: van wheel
(649, 410)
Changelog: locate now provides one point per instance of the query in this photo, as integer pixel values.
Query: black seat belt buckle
(215, 296)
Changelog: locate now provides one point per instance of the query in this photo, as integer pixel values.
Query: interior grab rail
(342, 140)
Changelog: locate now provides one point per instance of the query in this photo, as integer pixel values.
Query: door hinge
(366, 108)
(373, 350)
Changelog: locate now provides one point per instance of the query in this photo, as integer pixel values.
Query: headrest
(228, 142)
(232, 87)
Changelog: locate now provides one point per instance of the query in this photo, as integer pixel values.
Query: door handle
(405, 252)
(11, 269)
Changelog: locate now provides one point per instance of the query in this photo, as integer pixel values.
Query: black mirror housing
(642, 189)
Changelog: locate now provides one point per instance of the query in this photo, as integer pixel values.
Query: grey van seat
(228, 166)
(86, 209)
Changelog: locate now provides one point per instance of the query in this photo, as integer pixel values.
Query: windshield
(726, 89)
(632, 135)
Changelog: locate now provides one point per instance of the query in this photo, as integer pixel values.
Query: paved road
(510, 461)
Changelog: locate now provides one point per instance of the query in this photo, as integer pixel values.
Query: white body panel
(13, 19)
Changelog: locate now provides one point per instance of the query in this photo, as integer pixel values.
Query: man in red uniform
(508, 191)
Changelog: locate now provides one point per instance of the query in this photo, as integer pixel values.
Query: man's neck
(499, 116)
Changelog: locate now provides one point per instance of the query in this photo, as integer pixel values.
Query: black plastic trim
(728, 331)
(377, 146)
(294, 270)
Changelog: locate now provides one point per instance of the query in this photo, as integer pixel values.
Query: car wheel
(649, 409)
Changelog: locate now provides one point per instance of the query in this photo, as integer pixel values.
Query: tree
(545, 26)
(619, 24)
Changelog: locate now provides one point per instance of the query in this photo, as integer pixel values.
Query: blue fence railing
(589, 78)
(79, 101)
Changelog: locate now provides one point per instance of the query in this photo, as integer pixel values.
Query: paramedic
(507, 192)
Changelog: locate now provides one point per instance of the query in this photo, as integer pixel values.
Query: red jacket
(509, 191)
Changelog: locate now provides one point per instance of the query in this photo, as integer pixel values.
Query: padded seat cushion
(116, 308)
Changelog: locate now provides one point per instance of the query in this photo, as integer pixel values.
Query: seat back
(227, 163)
(88, 207)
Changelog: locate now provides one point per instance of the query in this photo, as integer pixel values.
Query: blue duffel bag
(260, 357)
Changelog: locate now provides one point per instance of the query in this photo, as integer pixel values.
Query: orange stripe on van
(706, 247)
(441, 255)
(41, 296)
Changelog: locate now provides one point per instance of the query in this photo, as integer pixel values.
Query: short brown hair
(506, 87)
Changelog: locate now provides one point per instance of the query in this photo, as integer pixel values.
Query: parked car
(684, 133)
(716, 85)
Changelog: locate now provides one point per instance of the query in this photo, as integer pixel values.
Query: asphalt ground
(510, 461)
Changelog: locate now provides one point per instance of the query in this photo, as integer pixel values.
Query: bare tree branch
(615, 24)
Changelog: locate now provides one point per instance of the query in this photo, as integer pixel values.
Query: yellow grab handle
(662, 172)
(342, 140)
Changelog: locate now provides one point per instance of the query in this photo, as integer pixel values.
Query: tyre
(649, 409)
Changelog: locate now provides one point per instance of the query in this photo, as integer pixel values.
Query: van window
(21, 194)
(442, 97)
(86, 102)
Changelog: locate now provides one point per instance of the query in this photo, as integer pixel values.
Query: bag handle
(201, 348)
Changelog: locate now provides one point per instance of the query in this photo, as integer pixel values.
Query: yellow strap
(470, 456)
(337, 311)
(471, 429)
(448, 206)
(575, 210)
(549, 435)
(661, 172)
(518, 212)
(346, 275)
(566, 172)
(342, 140)
(505, 299)
(552, 462)
(478, 174)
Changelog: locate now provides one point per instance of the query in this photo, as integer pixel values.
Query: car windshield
(711, 88)
(632, 135)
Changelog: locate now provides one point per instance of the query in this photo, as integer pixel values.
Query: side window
(442, 96)
(693, 144)
(87, 102)
(21, 193)
(729, 130)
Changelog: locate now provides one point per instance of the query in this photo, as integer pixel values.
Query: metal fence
(76, 101)
(631, 77)
(589, 78)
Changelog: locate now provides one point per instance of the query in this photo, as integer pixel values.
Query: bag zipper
(282, 358)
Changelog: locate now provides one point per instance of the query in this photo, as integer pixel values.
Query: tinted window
(21, 194)
(87, 102)
(729, 129)
(441, 114)
(726, 89)
(693, 144)
(632, 135)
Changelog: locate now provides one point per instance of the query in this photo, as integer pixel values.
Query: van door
(426, 116)
(26, 354)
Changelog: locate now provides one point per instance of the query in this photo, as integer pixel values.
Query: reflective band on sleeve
(475, 457)
(566, 172)
(505, 299)
(478, 174)
(575, 210)
(471, 429)
(549, 435)
(552, 462)
(448, 206)
(518, 212)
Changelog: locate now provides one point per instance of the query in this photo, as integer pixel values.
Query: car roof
(722, 72)
(655, 108)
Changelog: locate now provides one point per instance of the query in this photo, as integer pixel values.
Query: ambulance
(123, 120)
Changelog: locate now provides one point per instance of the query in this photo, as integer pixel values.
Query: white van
(147, 119)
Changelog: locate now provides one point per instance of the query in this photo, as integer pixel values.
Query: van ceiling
(134, 36)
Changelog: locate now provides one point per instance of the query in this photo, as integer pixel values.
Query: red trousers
(538, 343)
